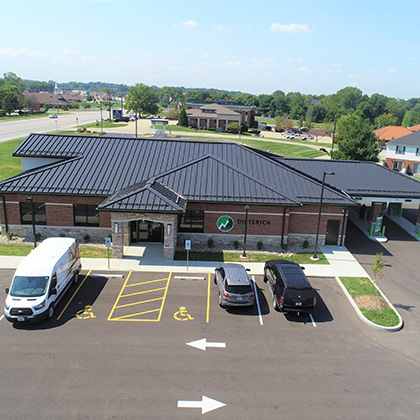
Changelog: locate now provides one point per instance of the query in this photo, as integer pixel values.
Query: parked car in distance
(289, 286)
(133, 118)
(122, 119)
(53, 116)
(235, 288)
(171, 118)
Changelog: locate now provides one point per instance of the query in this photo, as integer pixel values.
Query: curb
(363, 318)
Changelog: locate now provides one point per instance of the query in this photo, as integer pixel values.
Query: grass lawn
(10, 165)
(284, 149)
(229, 256)
(106, 124)
(363, 287)
(23, 250)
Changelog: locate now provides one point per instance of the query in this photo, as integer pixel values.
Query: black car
(289, 287)
(122, 119)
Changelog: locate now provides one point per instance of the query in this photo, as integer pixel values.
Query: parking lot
(117, 349)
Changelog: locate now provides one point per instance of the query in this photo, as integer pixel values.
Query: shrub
(234, 127)
(62, 235)
(86, 237)
(260, 245)
(37, 236)
(210, 243)
(236, 244)
(305, 244)
(9, 235)
(284, 247)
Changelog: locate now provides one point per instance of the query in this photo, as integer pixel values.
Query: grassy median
(370, 302)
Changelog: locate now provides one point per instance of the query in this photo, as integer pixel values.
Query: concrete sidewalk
(341, 263)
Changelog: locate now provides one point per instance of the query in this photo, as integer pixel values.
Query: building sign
(253, 222)
(225, 223)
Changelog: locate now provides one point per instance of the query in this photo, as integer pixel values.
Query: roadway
(21, 128)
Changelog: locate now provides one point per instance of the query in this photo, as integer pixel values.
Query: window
(26, 213)
(400, 150)
(397, 165)
(418, 151)
(191, 221)
(416, 168)
(85, 215)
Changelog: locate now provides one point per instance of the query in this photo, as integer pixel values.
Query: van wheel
(51, 311)
(215, 281)
(76, 277)
(275, 306)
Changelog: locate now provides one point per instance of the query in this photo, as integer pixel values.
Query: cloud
(22, 52)
(296, 60)
(392, 70)
(305, 70)
(334, 71)
(221, 28)
(189, 24)
(291, 28)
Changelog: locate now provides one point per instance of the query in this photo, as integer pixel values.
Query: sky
(257, 47)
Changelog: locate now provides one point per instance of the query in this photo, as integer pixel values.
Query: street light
(332, 146)
(315, 257)
(246, 228)
(33, 218)
(27, 100)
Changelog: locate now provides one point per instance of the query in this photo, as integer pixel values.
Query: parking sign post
(108, 245)
(188, 247)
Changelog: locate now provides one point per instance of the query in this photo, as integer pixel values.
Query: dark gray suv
(289, 287)
(235, 287)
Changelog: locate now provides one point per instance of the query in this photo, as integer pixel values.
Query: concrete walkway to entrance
(341, 263)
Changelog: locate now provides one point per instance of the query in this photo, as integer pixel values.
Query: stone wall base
(97, 235)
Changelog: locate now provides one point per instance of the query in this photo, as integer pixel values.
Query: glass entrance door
(144, 231)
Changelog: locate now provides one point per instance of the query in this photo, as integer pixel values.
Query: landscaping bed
(370, 301)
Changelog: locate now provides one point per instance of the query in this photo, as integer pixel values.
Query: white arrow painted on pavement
(203, 344)
(206, 404)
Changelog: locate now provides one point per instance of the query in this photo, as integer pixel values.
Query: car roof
(291, 272)
(235, 274)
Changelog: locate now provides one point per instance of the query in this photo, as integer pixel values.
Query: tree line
(379, 110)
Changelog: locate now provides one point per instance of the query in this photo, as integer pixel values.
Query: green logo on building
(225, 223)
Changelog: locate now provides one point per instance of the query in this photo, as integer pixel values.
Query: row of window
(87, 215)
(84, 214)
(399, 164)
(400, 150)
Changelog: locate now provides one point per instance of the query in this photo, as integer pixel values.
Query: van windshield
(29, 286)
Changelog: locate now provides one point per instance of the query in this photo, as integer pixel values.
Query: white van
(41, 279)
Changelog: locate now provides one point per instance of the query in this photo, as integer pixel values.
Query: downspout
(5, 213)
(282, 227)
(342, 227)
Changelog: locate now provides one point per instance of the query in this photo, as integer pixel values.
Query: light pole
(27, 100)
(315, 257)
(33, 218)
(332, 146)
(102, 124)
(246, 229)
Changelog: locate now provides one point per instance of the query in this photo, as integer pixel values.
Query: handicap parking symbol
(182, 314)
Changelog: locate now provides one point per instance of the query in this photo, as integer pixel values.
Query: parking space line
(208, 299)
(258, 301)
(119, 295)
(312, 319)
(137, 303)
(145, 291)
(126, 317)
(131, 317)
(74, 294)
(164, 297)
(145, 282)
(1, 317)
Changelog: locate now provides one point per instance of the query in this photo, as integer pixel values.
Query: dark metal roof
(412, 139)
(194, 170)
(358, 178)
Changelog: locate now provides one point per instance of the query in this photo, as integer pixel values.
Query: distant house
(212, 116)
(391, 132)
(403, 154)
(247, 112)
(61, 100)
(415, 128)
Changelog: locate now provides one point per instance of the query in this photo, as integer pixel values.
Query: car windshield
(29, 286)
(238, 290)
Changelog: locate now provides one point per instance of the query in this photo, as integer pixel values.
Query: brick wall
(410, 163)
